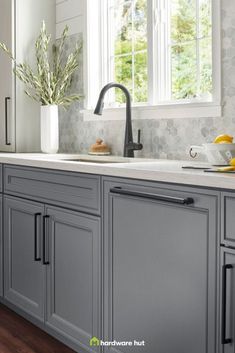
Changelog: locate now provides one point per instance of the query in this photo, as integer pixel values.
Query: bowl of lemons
(220, 152)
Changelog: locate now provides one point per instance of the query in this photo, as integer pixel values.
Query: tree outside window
(183, 36)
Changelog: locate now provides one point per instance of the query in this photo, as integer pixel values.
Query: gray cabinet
(227, 230)
(227, 332)
(147, 276)
(160, 268)
(73, 274)
(52, 255)
(1, 250)
(24, 276)
(53, 268)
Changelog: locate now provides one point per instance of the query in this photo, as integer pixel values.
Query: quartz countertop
(135, 168)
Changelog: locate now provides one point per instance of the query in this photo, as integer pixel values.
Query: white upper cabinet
(20, 22)
(7, 114)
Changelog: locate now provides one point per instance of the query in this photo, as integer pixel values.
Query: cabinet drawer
(0, 177)
(72, 190)
(228, 218)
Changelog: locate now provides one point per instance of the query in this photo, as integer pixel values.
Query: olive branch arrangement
(52, 79)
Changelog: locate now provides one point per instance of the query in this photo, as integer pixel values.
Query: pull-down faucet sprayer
(129, 145)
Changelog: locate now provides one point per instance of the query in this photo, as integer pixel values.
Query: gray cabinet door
(73, 275)
(227, 328)
(160, 283)
(24, 277)
(1, 250)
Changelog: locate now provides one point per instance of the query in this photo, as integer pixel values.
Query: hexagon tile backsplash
(163, 138)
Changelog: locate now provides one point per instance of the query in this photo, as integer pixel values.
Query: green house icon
(94, 342)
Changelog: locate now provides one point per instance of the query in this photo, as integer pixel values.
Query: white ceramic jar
(49, 129)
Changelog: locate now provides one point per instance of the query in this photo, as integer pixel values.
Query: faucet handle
(139, 134)
(138, 145)
(135, 146)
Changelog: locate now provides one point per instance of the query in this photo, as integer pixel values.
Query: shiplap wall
(69, 12)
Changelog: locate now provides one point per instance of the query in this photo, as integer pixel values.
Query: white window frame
(95, 68)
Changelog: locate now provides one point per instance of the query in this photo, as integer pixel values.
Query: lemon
(224, 142)
(223, 139)
(232, 162)
(227, 169)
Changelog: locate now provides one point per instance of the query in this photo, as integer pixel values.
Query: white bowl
(216, 153)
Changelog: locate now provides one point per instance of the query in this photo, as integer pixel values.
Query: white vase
(49, 129)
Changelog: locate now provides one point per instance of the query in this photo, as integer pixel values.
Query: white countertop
(136, 168)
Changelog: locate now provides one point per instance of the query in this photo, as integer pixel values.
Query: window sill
(169, 111)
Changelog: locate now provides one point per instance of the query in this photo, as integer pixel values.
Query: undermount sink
(99, 161)
(109, 159)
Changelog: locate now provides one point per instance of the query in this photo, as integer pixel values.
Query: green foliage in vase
(53, 77)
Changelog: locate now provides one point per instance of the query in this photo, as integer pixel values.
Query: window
(166, 52)
(128, 48)
(190, 49)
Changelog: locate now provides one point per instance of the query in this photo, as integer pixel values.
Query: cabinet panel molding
(160, 262)
(68, 189)
(24, 278)
(74, 275)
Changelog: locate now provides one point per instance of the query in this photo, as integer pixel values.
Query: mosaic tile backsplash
(163, 138)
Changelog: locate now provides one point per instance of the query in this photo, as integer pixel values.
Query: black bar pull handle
(224, 340)
(45, 259)
(7, 143)
(36, 240)
(150, 196)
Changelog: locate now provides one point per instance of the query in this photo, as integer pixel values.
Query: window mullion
(197, 47)
(164, 57)
(133, 52)
(167, 45)
(92, 70)
(152, 51)
(104, 40)
(216, 51)
(159, 45)
(109, 52)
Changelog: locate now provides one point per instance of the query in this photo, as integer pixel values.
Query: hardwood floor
(19, 336)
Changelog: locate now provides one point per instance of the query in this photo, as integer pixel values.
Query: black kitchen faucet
(129, 145)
